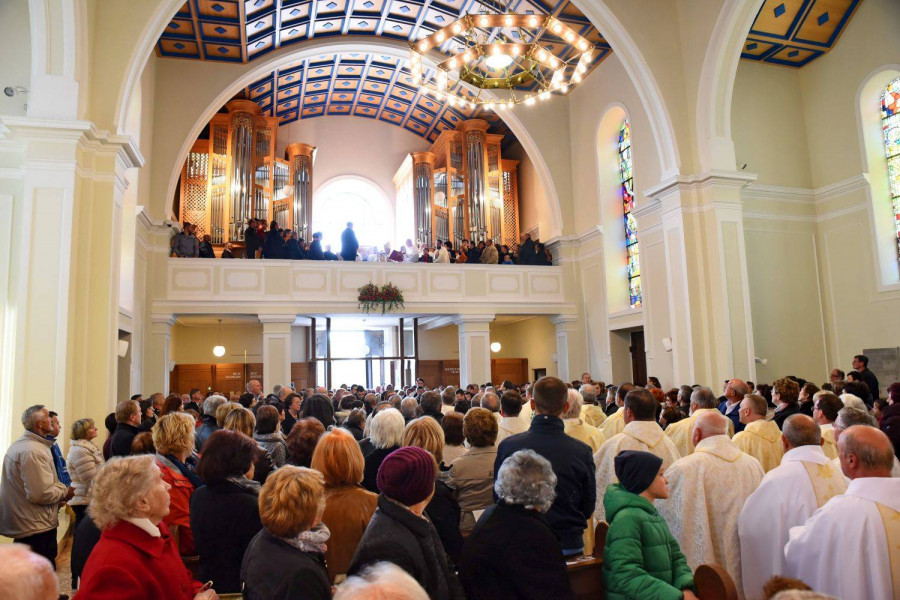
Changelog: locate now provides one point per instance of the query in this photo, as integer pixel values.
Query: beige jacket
(489, 255)
(30, 491)
(472, 476)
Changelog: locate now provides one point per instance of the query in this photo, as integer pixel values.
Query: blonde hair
(338, 458)
(241, 420)
(291, 501)
(426, 434)
(118, 485)
(174, 433)
(80, 429)
(223, 410)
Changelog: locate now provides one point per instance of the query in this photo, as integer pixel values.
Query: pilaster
(276, 349)
(708, 290)
(569, 362)
(157, 361)
(474, 348)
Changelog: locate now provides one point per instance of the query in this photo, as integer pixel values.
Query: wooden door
(431, 371)
(513, 369)
(300, 375)
(638, 358)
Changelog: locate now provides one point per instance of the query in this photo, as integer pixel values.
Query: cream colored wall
(768, 124)
(532, 338)
(349, 145)
(193, 344)
(15, 64)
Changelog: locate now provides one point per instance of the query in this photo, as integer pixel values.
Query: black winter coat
(206, 250)
(782, 415)
(315, 251)
(524, 573)
(122, 438)
(273, 247)
(443, 511)
(224, 519)
(292, 250)
(275, 570)
(573, 464)
(370, 471)
(398, 536)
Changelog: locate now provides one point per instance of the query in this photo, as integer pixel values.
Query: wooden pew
(714, 583)
(586, 572)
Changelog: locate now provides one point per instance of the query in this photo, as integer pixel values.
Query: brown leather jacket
(348, 509)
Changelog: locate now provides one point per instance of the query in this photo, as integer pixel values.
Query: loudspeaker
(123, 348)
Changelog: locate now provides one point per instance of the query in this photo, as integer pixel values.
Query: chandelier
(506, 55)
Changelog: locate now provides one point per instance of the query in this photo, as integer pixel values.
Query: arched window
(352, 198)
(890, 124)
(631, 240)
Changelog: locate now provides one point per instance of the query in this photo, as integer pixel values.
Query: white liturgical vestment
(614, 424)
(681, 432)
(706, 493)
(646, 436)
(829, 447)
(850, 548)
(787, 497)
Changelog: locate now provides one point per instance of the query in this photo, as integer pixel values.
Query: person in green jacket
(641, 559)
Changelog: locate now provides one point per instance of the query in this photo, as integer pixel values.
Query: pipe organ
(463, 189)
(234, 175)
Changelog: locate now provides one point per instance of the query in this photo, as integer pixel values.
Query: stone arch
(714, 144)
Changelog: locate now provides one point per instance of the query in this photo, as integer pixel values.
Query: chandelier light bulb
(483, 21)
(576, 77)
(564, 89)
(582, 45)
(489, 106)
(544, 95)
(507, 20)
(452, 63)
(515, 50)
(495, 346)
(570, 36)
(423, 46)
(440, 36)
(509, 104)
(542, 55)
(457, 28)
(467, 56)
(530, 101)
(557, 27)
(532, 22)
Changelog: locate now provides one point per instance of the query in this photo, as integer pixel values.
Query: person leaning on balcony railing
(185, 243)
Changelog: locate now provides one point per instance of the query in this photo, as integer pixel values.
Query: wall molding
(814, 198)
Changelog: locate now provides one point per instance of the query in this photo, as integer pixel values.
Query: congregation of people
(278, 242)
(483, 492)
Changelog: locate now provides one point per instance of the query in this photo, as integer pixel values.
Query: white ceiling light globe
(495, 346)
(219, 351)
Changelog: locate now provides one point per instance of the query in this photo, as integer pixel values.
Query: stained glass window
(632, 256)
(890, 122)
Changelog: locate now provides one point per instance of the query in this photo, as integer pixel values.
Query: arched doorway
(356, 199)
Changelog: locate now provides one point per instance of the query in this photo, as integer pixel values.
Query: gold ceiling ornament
(487, 58)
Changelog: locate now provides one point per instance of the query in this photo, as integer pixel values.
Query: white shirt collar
(813, 454)
(884, 490)
(144, 524)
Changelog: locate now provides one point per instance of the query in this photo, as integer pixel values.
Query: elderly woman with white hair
(386, 435)
(136, 557)
(514, 528)
(577, 428)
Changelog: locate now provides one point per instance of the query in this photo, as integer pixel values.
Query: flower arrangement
(372, 299)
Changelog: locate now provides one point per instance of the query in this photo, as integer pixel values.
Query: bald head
(736, 390)
(703, 397)
(26, 575)
(865, 452)
(800, 430)
(709, 424)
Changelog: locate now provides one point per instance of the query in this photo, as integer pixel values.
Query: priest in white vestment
(614, 423)
(681, 433)
(850, 548)
(760, 438)
(590, 412)
(706, 493)
(787, 497)
(826, 406)
(851, 417)
(641, 432)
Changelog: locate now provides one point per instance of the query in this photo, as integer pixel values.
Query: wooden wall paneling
(188, 377)
(450, 372)
(431, 371)
(514, 369)
(300, 375)
(255, 371)
(228, 378)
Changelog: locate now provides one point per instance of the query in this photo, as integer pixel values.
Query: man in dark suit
(252, 240)
(315, 249)
(735, 390)
(861, 364)
(292, 248)
(349, 244)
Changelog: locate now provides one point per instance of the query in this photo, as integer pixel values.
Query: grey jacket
(472, 476)
(276, 446)
(186, 245)
(84, 459)
(30, 491)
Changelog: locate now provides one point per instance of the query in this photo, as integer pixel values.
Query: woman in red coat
(173, 437)
(136, 557)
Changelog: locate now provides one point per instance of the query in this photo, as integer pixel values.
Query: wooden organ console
(464, 189)
(234, 175)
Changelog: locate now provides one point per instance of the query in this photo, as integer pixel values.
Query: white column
(276, 349)
(566, 353)
(157, 364)
(474, 348)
